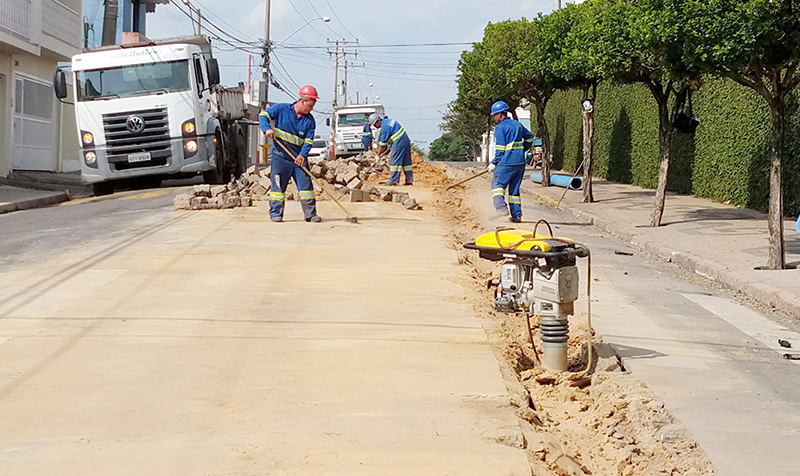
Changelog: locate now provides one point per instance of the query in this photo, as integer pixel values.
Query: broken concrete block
(217, 190)
(243, 181)
(265, 182)
(399, 197)
(373, 191)
(316, 171)
(258, 190)
(202, 190)
(252, 170)
(264, 173)
(411, 204)
(359, 196)
(197, 202)
(183, 201)
(386, 195)
(231, 201)
(355, 184)
(247, 201)
(330, 176)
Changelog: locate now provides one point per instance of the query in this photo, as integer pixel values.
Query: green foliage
(467, 124)
(451, 147)
(727, 160)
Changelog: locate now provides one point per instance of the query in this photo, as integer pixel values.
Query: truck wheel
(241, 152)
(217, 175)
(102, 188)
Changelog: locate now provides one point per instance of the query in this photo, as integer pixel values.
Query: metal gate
(33, 125)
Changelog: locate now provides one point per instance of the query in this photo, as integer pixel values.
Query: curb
(777, 298)
(34, 203)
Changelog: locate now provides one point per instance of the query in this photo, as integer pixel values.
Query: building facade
(37, 132)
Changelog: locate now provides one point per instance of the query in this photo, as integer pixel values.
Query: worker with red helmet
(294, 126)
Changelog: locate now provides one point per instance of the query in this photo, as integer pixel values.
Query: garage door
(33, 125)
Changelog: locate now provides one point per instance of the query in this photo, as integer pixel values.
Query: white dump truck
(155, 110)
(349, 127)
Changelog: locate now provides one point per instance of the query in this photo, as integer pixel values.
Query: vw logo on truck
(135, 124)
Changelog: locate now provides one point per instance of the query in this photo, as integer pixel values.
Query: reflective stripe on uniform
(397, 135)
(408, 168)
(289, 137)
(382, 144)
(395, 168)
(499, 147)
(514, 199)
(514, 145)
(264, 113)
(308, 141)
(498, 192)
(368, 134)
(307, 195)
(277, 196)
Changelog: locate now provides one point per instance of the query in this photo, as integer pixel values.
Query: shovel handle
(468, 179)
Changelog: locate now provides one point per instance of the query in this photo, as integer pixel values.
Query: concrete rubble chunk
(355, 184)
(265, 182)
(258, 191)
(359, 196)
(247, 201)
(217, 190)
(386, 195)
(316, 171)
(197, 202)
(202, 190)
(411, 204)
(232, 201)
(330, 176)
(264, 173)
(399, 197)
(183, 201)
(252, 170)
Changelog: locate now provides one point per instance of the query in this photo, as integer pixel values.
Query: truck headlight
(188, 128)
(87, 138)
(90, 157)
(190, 146)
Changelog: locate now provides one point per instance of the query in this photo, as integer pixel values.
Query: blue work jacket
(511, 142)
(391, 131)
(296, 133)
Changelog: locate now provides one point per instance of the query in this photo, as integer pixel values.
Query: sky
(414, 84)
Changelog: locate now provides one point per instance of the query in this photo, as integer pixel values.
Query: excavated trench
(601, 422)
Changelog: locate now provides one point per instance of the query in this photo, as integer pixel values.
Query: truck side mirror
(327, 121)
(213, 71)
(60, 84)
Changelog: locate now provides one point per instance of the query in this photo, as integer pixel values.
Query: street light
(325, 19)
(362, 87)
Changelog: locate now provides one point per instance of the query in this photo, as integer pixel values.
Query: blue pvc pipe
(560, 181)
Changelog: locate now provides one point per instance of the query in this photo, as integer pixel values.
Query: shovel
(350, 218)
(468, 179)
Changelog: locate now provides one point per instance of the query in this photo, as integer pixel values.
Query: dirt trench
(601, 422)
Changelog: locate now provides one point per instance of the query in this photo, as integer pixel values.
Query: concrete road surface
(217, 342)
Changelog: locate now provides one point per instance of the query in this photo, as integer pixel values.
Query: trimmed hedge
(727, 160)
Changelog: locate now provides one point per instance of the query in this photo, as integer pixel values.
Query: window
(198, 73)
(135, 80)
(355, 119)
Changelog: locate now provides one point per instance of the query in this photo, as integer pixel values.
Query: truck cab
(150, 110)
(349, 127)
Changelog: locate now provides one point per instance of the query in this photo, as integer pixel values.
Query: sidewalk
(14, 198)
(722, 242)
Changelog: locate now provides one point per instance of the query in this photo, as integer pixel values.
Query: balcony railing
(15, 17)
(61, 22)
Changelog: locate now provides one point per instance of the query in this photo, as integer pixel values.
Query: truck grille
(154, 138)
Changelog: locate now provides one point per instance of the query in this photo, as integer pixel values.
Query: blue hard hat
(499, 106)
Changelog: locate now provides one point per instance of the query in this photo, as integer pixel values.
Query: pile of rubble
(346, 177)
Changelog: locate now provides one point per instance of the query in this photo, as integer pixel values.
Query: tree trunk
(544, 134)
(664, 147)
(777, 259)
(588, 150)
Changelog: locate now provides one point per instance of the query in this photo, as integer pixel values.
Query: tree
(757, 44)
(583, 62)
(467, 124)
(450, 147)
(646, 41)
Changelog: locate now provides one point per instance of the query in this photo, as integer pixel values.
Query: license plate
(139, 157)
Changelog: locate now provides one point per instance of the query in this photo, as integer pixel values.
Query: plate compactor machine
(538, 276)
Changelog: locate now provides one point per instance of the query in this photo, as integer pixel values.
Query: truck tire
(102, 188)
(240, 155)
(217, 175)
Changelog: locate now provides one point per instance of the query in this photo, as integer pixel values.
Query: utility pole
(110, 22)
(344, 84)
(262, 139)
(197, 30)
(336, 77)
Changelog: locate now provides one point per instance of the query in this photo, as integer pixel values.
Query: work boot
(314, 219)
(515, 219)
(276, 219)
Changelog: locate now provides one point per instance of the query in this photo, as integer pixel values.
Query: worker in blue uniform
(366, 138)
(392, 134)
(294, 126)
(511, 142)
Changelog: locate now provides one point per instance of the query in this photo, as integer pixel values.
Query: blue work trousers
(282, 170)
(400, 161)
(367, 144)
(508, 177)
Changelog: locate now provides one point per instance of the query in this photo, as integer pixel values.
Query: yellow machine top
(520, 240)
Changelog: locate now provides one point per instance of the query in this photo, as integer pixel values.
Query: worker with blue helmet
(512, 139)
(366, 137)
(392, 134)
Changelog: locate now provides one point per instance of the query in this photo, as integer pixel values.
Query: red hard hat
(309, 92)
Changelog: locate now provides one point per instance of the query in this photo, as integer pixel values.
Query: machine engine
(524, 287)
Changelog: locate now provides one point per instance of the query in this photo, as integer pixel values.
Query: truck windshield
(135, 80)
(355, 119)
